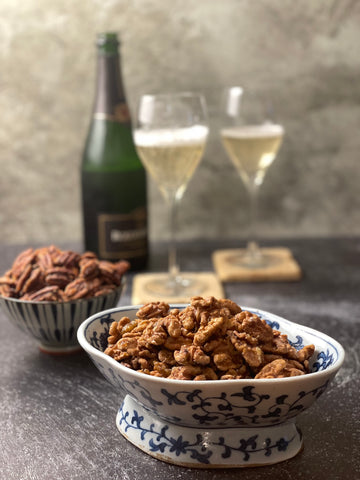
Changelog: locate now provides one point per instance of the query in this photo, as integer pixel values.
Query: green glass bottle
(113, 180)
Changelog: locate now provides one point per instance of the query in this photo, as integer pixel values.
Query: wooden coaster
(284, 269)
(209, 280)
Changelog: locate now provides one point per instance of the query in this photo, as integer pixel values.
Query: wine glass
(252, 141)
(170, 138)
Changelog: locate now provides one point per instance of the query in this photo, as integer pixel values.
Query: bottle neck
(110, 101)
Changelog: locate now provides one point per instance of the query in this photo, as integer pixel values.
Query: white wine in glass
(170, 138)
(252, 142)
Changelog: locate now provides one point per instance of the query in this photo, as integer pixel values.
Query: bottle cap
(109, 39)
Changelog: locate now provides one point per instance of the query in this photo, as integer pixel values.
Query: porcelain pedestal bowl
(214, 424)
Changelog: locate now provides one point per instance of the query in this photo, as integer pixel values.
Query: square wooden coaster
(284, 269)
(140, 295)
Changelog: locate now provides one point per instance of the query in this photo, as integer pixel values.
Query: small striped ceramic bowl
(54, 324)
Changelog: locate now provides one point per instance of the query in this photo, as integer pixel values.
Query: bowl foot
(207, 448)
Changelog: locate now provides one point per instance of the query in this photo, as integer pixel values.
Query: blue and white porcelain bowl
(219, 423)
(54, 324)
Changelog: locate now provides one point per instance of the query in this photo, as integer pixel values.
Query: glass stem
(253, 252)
(173, 266)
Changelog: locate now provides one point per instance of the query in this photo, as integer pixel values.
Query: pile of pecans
(55, 275)
(209, 340)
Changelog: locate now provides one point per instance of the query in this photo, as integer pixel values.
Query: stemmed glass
(252, 141)
(170, 138)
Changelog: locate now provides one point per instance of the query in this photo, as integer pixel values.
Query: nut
(210, 339)
(51, 274)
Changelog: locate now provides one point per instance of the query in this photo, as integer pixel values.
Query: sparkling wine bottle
(113, 179)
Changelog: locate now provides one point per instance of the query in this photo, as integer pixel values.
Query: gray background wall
(304, 54)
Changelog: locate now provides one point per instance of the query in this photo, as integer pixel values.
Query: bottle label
(123, 236)
(120, 114)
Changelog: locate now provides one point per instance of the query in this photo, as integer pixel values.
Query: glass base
(254, 257)
(182, 285)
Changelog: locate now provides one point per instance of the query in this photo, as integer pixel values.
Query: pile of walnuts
(55, 275)
(209, 340)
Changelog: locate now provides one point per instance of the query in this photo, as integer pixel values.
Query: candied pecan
(60, 276)
(49, 266)
(23, 278)
(89, 268)
(46, 294)
(7, 280)
(87, 255)
(35, 281)
(7, 290)
(22, 260)
(67, 259)
(44, 259)
(104, 290)
(76, 289)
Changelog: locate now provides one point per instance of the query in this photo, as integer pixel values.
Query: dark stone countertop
(57, 415)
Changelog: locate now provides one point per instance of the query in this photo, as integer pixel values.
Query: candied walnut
(116, 329)
(153, 310)
(305, 353)
(257, 328)
(176, 343)
(192, 355)
(187, 372)
(280, 346)
(207, 374)
(236, 373)
(163, 369)
(154, 334)
(279, 368)
(172, 326)
(224, 361)
(210, 339)
(205, 332)
(166, 357)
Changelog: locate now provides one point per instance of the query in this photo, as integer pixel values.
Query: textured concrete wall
(304, 54)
